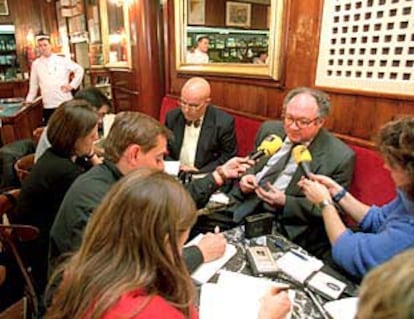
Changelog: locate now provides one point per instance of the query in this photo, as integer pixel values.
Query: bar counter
(18, 121)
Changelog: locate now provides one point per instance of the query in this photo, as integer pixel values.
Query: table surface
(303, 306)
(10, 107)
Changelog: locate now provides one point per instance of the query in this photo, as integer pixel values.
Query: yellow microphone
(270, 145)
(303, 158)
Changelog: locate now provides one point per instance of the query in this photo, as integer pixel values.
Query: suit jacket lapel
(206, 132)
(179, 134)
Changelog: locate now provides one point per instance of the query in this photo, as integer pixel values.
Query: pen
(316, 302)
(217, 229)
(298, 254)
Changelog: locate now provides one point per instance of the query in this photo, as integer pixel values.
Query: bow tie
(195, 123)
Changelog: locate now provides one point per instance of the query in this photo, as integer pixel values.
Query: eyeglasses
(192, 106)
(300, 123)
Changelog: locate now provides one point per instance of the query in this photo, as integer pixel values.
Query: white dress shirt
(189, 146)
(50, 73)
(197, 57)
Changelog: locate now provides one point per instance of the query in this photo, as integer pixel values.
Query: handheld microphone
(303, 158)
(269, 146)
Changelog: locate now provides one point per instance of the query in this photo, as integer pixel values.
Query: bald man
(204, 136)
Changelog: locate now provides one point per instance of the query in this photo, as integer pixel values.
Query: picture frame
(196, 12)
(4, 8)
(238, 14)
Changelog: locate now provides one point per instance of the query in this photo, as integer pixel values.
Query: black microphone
(269, 146)
(303, 158)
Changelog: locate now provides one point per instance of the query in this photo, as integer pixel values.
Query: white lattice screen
(367, 45)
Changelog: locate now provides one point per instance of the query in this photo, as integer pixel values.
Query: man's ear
(322, 121)
(133, 154)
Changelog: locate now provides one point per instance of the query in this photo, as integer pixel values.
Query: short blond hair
(388, 290)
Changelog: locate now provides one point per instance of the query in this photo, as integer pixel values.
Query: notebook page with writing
(208, 269)
(235, 296)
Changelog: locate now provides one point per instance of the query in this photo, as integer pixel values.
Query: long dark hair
(131, 242)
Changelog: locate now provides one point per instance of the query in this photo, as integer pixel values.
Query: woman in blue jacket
(386, 230)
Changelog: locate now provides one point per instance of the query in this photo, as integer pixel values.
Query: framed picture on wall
(238, 14)
(4, 8)
(196, 12)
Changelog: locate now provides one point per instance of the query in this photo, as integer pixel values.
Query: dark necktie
(252, 202)
(195, 123)
(276, 169)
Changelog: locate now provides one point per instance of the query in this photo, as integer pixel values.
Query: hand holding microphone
(303, 158)
(270, 145)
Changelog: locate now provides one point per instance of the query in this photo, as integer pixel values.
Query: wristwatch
(325, 203)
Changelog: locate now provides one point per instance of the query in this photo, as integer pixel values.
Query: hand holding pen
(212, 246)
(275, 304)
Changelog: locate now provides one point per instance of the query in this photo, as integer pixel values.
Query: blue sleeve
(357, 253)
(376, 216)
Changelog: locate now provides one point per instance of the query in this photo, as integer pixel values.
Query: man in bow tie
(204, 136)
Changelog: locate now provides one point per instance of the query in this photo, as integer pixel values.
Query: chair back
(10, 235)
(23, 166)
(18, 310)
(8, 201)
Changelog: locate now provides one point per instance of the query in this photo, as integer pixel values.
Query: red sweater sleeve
(155, 307)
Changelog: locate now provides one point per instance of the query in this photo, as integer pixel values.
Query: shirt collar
(406, 200)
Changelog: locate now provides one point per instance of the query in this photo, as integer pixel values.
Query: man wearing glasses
(204, 136)
(272, 184)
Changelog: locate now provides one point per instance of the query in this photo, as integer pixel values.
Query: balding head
(195, 96)
(197, 86)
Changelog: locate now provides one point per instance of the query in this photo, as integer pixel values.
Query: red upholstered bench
(168, 103)
(372, 183)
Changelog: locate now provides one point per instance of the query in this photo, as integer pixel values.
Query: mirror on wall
(115, 33)
(241, 38)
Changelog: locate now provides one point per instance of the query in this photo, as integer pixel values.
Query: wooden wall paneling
(341, 113)
(48, 18)
(215, 12)
(148, 55)
(301, 46)
(275, 102)
(259, 17)
(363, 117)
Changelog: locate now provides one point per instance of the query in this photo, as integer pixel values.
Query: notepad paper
(220, 197)
(208, 269)
(297, 267)
(235, 296)
(172, 167)
(345, 308)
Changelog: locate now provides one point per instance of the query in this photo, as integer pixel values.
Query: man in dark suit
(204, 136)
(272, 184)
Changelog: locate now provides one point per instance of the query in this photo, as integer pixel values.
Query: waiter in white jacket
(50, 72)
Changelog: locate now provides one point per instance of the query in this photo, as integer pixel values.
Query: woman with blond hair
(387, 230)
(129, 264)
(388, 290)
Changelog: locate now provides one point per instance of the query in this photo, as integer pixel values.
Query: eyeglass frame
(191, 106)
(298, 122)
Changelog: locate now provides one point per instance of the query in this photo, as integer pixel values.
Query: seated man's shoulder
(336, 143)
(271, 126)
(173, 112)
(90, 184)
(221, 114)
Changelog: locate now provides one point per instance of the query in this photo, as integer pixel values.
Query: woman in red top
(129, 264)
